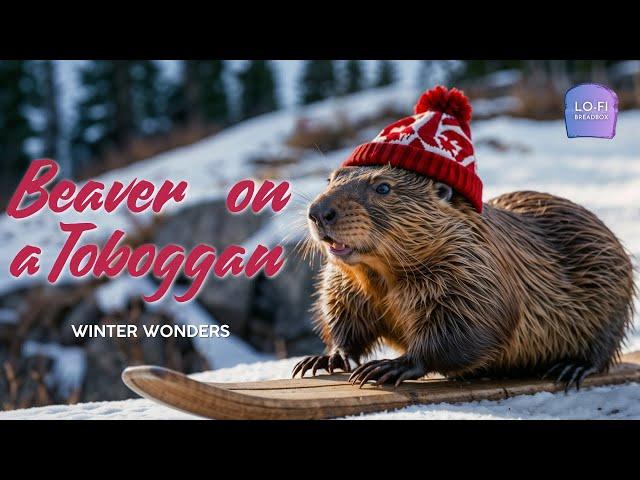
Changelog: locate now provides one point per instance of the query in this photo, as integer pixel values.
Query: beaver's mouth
(336, 248)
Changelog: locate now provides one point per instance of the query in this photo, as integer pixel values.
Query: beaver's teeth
(338, 246)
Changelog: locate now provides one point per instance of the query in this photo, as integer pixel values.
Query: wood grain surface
(328, 396)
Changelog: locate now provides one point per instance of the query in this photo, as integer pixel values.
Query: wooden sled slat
(328, 396)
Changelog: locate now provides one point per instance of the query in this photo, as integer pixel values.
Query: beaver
(527, 284)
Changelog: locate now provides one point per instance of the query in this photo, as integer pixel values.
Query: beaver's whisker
(382, 245)
(299, 195)
(392, 249)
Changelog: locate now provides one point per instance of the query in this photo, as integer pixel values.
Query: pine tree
(148, 97)
(258, 89)
(214, 95)
(121, 101)
(96, 124)
(386, 73)
(476, 68)
(353, 77)
(200, 95)
(47, 99)
(18, 93)
(318, 81)
(125, 122)
(185, 97)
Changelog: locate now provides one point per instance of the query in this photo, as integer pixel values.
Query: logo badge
(590, 110)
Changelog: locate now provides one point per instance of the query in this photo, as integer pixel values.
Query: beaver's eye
(444, 191)
(383, 188)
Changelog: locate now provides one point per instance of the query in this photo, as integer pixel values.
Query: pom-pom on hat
(434, 142)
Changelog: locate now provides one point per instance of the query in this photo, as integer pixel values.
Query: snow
(620, 402)
(503, 78)
(603, 175)
(495, 106)
(629, 67)
(601, 403)
(8, 316)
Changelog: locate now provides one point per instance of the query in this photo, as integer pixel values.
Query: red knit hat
(435, 142)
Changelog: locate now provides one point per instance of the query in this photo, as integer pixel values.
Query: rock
(280, 312)
(194, 362)
(310, 344)
(47, 308)
(107, 357)
(229, 300)
(85, 313)
(152, 348)
(211, 223)
(105, 362)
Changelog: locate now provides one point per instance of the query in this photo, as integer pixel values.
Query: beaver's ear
(444, 191)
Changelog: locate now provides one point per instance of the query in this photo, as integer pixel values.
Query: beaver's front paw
(570, 374)
(335, 361)
(387, 371)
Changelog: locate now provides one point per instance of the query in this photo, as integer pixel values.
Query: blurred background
(212, 122)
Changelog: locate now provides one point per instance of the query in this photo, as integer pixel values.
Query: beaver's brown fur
(534, 282)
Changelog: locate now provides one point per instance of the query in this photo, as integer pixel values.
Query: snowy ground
(621, 402)
(513, 154)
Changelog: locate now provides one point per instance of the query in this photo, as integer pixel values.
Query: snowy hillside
(210, 167)
(513, 154)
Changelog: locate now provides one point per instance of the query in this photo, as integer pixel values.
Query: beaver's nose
(321, 213)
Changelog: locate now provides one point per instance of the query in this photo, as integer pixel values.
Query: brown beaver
(532, 284)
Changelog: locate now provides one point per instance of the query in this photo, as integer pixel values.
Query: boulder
(84, 313)
(208, 222)
(107, 357)
(281, 309)
(227, 299)
(105, 361)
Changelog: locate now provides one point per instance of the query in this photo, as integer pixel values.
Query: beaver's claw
(335, 361)
(570, 374)
(387, 371)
